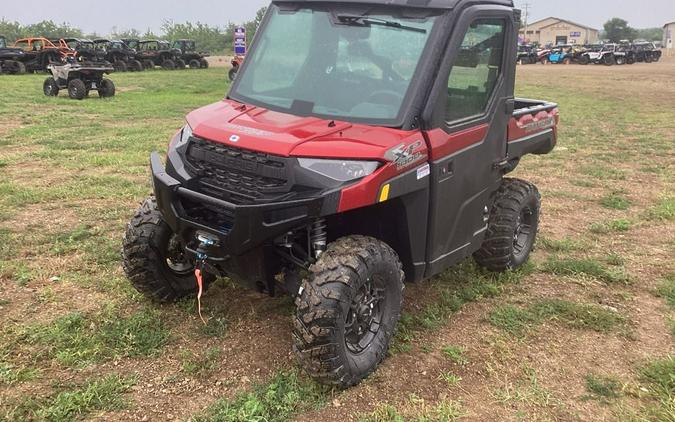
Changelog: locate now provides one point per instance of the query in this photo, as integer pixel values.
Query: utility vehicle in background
(39, 53)
(159, 53)
(362, 145)
(119, 54)
(527, 54)
(189, 54)
(85, 50)
(11, 59)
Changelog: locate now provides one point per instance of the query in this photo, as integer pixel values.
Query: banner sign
(575, 34)
(240, 41)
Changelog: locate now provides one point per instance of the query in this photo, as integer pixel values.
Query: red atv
(337, 173)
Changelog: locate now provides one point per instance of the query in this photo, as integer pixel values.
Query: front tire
(180, 64)
(168, 64)
(77, 90)
(347, 310)
(106, 88)
(50, 87)
(153, 259)
(512, 227)
(203, 63)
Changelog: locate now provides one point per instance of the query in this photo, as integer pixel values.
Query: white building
(668, 32)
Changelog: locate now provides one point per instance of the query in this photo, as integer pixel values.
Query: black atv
(646, 52)
(190, 55)
(159, 53)
(119, 54)
(10, 59)
(86, 50)
(527, 54)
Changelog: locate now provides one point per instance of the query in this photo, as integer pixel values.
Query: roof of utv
(430, 4)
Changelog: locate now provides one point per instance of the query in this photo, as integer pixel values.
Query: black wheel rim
(176, 259)
(364, 316)
(522, 236)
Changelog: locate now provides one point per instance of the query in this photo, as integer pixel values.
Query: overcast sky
(101, 17)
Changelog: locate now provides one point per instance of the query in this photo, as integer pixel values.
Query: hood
(254, 128)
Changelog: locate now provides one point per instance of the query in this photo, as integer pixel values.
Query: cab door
(470, 106)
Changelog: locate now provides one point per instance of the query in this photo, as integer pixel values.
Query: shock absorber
(318, 236)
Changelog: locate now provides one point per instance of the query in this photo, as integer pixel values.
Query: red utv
(375, 154)
(39, 53)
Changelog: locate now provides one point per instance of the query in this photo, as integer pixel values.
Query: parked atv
(236, 63)
(646, 52)
(11, 59)
(158, 53)
(189, 55)
(79, 79)
(600, 54)
(527, 54)
(39, 53)
(119, 54)
(85, 50)
(560, 55)
(336, 184)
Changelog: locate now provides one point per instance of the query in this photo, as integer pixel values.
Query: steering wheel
(394, 96)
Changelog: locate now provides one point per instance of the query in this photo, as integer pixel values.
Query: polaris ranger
(10, 59)
(189, 54)
(373, 152)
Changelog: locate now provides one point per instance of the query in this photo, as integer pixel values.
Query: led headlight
(184, 135)
(340, 170)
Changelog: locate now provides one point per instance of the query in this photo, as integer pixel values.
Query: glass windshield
(333, 64)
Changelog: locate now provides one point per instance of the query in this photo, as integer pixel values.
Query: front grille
(237, 175)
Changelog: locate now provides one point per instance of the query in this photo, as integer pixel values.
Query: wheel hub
(176, 259)
(364, 317)
(523, 230)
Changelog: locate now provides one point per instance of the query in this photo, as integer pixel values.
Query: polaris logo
(234, 138)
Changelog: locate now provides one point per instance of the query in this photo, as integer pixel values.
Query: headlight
(340, 170)
(184, 136)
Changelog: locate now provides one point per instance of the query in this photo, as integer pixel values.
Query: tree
(650, 34)
(617, 29)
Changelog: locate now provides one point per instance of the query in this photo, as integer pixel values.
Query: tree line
(617, 29)
(214, 39)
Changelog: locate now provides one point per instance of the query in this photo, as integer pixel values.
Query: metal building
(555, 31)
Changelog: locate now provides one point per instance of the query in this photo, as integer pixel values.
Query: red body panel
(259, 129)
(443, 144)
(529, 124)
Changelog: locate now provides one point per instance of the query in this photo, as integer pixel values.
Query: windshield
(334, 64)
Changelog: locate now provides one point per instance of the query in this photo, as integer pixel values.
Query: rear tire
(620, 61)
(120, 66)
(168, 64)
(180, 64)
(512, 227)
(135, 66)
(194, 64)
(347, 310)
(50, 87)
(19, 68)
(609, 60)
(203, 63)
(148, 64)
(77, 90)
(148, 247)
(106, 88)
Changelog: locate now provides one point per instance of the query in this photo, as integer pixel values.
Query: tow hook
(205, 243)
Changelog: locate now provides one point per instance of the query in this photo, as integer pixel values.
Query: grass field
(586, 332)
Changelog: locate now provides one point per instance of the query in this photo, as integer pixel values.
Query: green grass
(603, 388)
(616, 201)
(10, 374)
(78, 339)
(201, 364)
(456, 354)
(286, 394)
(659, 378)
(619, 225)
(576, 267)
(520, 320)
(415, 410)
(559, 245)
(666, 290)
(69, 404)
(453, 289)
(664, 210)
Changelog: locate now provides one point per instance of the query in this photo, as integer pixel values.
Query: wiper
(366, 21)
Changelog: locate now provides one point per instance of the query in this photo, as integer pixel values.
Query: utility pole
(526, 8)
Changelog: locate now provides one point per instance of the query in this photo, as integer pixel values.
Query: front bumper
(239, 228)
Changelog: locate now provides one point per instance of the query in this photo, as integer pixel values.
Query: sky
(103, 17)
